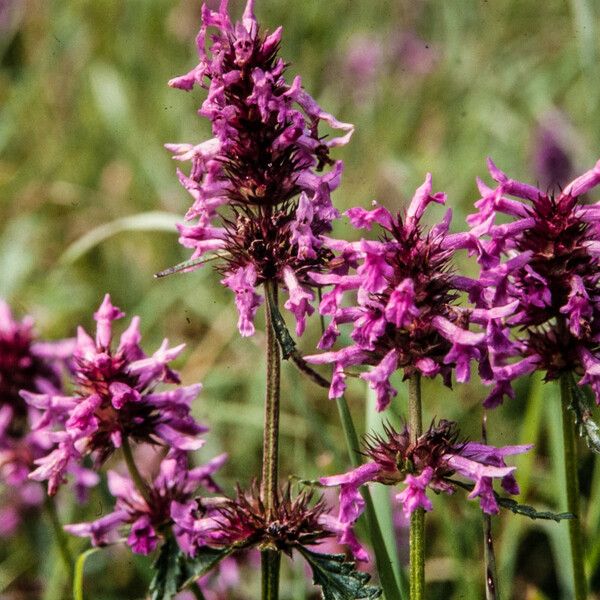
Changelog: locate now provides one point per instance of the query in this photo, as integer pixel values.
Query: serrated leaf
(338, 578)
(532, 513)
(206, 559)
(168, 573)
(586, 426)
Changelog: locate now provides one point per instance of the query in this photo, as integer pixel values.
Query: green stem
(572, 484)
(271, 559)
(417, 519)
(491, 572)
(138, 480)
(384, 563)
(59, 534)
(270, 562)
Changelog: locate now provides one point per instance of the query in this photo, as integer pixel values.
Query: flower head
(244, 522)
(406, 315)
(427, 464)
(260, 197)
(146, 520)
(541, 276)
(115, 397)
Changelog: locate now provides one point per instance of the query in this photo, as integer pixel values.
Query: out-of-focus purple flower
(115, 398)
(551, 162)
(427, 464)
(413, 54)
(540, 277)
(406, 315)
(261, 200)
(145, 522)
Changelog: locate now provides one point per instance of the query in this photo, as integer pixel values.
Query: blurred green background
(431, 85)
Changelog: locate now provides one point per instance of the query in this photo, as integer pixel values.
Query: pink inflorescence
(115, 397)
(541, 279)
(427, 464)
(261, 200)
(406, 314)
(147, 520)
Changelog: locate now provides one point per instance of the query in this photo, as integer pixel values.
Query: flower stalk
(59, 534)
(136, 476)
(417, 518)
(491, 572)
(271, 558)
(572, 489)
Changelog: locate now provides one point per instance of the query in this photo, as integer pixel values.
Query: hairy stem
(572, 482)
(59, 533)
(271, 558)
(417, 519)
(491, 572)
(138, 480)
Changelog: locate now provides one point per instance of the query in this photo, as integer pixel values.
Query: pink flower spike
(379, 379)
(299, 300)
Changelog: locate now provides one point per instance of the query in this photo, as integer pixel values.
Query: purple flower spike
(406, 315)
(543, 268)
(262, 199)
(174, 486)
(115, 398)
(429, 464)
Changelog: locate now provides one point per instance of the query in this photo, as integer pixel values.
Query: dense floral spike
(148, 521)
(406, 315)
(429, 463)
(541, 278)
(260, 198)
(115, 398)
(244, 523)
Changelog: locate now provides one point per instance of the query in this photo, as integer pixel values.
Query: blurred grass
(85, 110)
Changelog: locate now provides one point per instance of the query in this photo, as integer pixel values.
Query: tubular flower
(115, 398)
(147, 521)
(406, 315)
(261, 200)
(541, 279)
(244, 523)
(428, 464)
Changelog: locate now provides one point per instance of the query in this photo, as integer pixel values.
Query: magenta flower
(260, 199)
(244, 523)
(115, 397)
(406, 315)
(147, 522)
(428, 464)
(540, 276)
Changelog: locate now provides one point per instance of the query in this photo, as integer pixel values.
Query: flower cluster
(260, 199)
(115, 398)
(244, 523)
(35, 366)
(428, 463)
(148, 517)
(540, 275)
(406, 315)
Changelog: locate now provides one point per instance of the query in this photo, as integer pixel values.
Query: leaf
(206, 559)
(148, 221)
(338, 578)
(78, 575)
(168, 572)
(532, 513)
(587, 427)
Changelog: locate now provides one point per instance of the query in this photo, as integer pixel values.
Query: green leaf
(587, 427)
(78, 576)
(338, 578)
(168, 572)
(206, 559)
(532, 513)
(148, 221)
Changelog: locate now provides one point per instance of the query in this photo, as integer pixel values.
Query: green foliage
(173, 571)
(338, 578)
